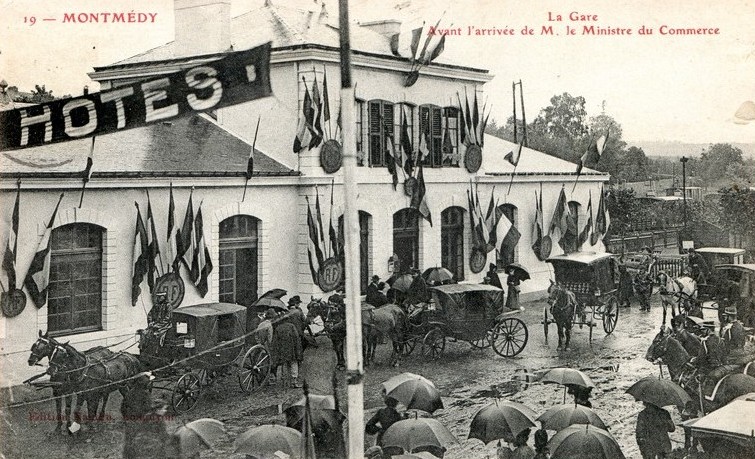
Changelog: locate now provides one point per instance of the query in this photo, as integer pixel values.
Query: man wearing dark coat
(384, 418)
(625, 286)
(375, 296)
(653, 427)
(287, 351)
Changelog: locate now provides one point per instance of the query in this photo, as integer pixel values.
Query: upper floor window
(74, 302)
(381, 125)
(441, 128)
(360, 131)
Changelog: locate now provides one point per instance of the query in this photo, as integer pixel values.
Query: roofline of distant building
(143, 174)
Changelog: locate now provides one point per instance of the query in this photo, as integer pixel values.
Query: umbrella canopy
(562, 416)
(199, 435)
(265, 440)
(270, 302)
(501, 419)
(568, 376)
(414, 392)
(403, 283)
(322, 410)
(418, 455)
(411, 434)
(275, 293)
(584, 442)
(438, 276)
(659, 392)
(518, 270)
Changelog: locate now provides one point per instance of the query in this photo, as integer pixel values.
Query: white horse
(679, 293)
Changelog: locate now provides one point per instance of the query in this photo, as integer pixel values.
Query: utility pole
(684, 188)
(354, 363)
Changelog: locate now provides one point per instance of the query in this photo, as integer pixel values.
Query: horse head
(662, 279)
(43, 347)
(659, 346)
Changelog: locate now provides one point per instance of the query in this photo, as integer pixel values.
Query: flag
(468, 121)
(172, 256)
(435, 51)
(185, 238)
(473, 218)
(537, 227)
(512, 235)
(9, 258)
(325, 97)
(318, 209)
(570, 241)
(90, 163)
(560, 214)
(584, 235)
(513, 157)
(448, 147)
(492, 217)
(202, 263)
(406, 148)
(304, 130)
(482, 229)
(483, 127)
(405, 44)
(602, 220)
(475, 118)
(313, 247)
(315, 115)
(419, 197)
(390, 154)
(38, 276)
(141, 263)
(153, 247)
(424, 131)
(332, 234)
(594, 151)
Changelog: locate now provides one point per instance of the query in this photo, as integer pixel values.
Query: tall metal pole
(354, 364)
(526, 141)
(684, 188)
(513, 95)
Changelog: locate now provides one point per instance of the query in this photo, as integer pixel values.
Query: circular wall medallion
(473, 158)
(330, 156)
(173, 286)
(410, 184)
(330, 275)
(477, 260)
(545, 247)
(13, 302)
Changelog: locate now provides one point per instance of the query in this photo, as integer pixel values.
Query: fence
(674, 267)
(656, 240)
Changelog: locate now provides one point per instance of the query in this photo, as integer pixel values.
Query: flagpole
(513, 173)
(355, 370)
(87, 171)
(159, 252)
(251, 158)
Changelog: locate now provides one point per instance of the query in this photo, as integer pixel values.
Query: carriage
(198, 344)
(594, 280)
(466, 312)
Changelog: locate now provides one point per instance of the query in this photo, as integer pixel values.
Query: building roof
(586, 258)
(531, 161)
(287, 28)
(721, 250)
(187, 146)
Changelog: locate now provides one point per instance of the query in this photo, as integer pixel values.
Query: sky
(683, 88)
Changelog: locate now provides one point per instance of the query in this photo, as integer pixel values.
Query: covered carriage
(467, 312)
(594, 280)
(199, 343)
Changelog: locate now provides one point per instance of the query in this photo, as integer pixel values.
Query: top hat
(294, 300)
(375, 278)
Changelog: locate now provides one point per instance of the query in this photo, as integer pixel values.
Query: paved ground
(468, 379)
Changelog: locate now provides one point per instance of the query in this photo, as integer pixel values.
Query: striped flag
(584, 235)
(512, 235)
(316, 115)
(140, 257)
(559, 221)
(320, 227)
(9, 258)
(202, 264)
(513, 156)
(185, 239)
(153, 247)
(172, 256)
(38, 276)
(406, 148)
(492, 217)
(537, 227)
(390, 158)
(313, 247)
(332, 234)
(602, 219)
(419, 197)
(304, 129)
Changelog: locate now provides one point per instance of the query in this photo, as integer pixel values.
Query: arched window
(238, 259)
(364, 247)
(74, 301)
(406, 238)
(509, 241)
(452, 241)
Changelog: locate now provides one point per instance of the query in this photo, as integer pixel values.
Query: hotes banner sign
(231, 79)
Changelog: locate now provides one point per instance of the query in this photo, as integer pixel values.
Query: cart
(594, 280)
(199, 344)
(466, 312)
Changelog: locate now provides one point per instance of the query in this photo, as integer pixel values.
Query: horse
(680, 294)
(563, 305)
(668, 350)
(334, 324)
(389, 321)
(93, 374)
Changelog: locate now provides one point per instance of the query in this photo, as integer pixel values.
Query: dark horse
(563, 305)
(666, 349)
(334, 323)
(93, 375)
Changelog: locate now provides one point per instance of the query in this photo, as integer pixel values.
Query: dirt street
(468, 379)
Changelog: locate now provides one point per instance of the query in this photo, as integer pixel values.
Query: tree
(715, 160)
(738, 210)
(565, 117)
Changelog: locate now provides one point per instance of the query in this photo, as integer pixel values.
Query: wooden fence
(656, 240)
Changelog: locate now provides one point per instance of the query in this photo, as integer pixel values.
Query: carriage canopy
(209, 324)
(586, 272)
(467, 310)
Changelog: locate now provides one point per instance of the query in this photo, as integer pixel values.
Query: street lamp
(684, 160)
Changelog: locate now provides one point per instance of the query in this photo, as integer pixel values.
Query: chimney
(86, 90)
(385, 27)
(202, 26)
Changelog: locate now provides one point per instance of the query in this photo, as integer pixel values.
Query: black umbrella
(438, 276)
(518, 271)
(274, 293)
(659, 392)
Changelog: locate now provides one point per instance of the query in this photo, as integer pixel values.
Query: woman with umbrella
(516, 274)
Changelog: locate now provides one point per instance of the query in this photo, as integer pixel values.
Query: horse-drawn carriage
(200, 343)
(589, 281)
(465, 312)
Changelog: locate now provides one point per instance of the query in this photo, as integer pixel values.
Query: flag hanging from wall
(153, 248)
(335, 246)
(11, 248)
(602, 220)
(314, 252)
(538, 228)
(202, 264)
(185, 239)
(140, 257)
(419, 197)
(584, 235)
(304, 130)
(315, 116)
(170, 240)
(559, 221)
(38, 276)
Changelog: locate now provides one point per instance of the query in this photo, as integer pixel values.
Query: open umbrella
(265, 440)
(518, 271)
(274, 293)
(322, 411)
(403, 283)
(269, 302)
(562, 416)
(199, 435)
(417, 455)
(568, 376)
(414, 392)
(584, 442)
(410, 434)
(501, 419)
(659, 392)
(438, 276)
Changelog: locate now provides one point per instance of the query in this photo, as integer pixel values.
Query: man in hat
(297, 317)
(689, 341)
(375, 296)
(710, 360)
(286, 351)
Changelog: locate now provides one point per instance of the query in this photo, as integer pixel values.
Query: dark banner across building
(232, 79)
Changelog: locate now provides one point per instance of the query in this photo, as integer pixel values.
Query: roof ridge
(291, 31)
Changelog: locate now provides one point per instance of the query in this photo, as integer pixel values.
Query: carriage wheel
(510, 337)
(433, 344)
(406, 347)
(186, 393)
(484, 342)
(546, 323)
(254, 369)
(610, 315)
